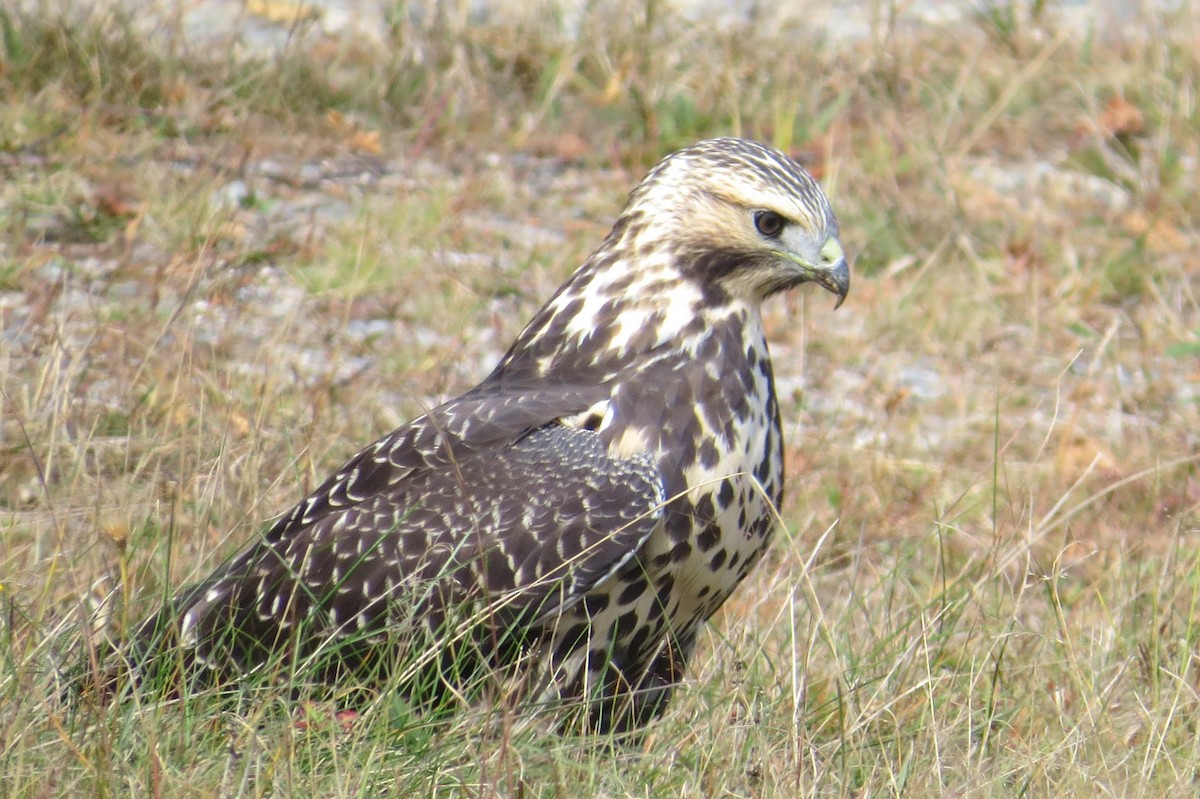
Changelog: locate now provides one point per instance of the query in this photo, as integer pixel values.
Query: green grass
(988, 582)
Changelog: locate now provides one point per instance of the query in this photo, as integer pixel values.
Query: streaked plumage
(568, 523)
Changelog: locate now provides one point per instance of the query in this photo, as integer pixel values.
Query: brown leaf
(811, 154)
(338, 121)
(1121, 118)
(1159, 236)
(895, 400)
(356, 137)
(365, 141)
(1079, 453)
(571, 146)
(113, 201)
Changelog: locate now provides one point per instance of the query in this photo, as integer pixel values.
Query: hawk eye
(769, 223)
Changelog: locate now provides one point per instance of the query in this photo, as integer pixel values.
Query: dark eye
(769, 223)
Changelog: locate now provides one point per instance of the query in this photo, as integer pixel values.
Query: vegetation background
(224, 267)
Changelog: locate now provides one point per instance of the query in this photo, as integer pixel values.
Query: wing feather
(479, 419)
(510, 520)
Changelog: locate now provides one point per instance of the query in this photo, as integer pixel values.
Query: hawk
(567, 524)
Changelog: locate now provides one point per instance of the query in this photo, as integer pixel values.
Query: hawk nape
(560, 531)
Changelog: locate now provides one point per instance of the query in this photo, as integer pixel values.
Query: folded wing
(486, 513)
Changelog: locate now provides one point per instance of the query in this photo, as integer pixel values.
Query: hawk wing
(484, 503)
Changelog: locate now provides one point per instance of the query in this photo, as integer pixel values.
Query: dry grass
(218, 277)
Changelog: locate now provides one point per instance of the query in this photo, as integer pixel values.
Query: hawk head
(726, 222)
(740, 217)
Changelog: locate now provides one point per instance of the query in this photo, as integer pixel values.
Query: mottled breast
(708, 413)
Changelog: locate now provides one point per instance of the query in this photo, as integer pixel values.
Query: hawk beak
(835, 278)
(833, 273)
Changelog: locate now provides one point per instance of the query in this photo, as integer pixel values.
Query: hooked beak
(836, 279)
(833, 273)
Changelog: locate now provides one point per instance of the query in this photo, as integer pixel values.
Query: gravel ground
(263, 25)
(300, 200)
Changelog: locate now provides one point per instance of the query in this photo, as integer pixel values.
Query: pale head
(740, 216)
